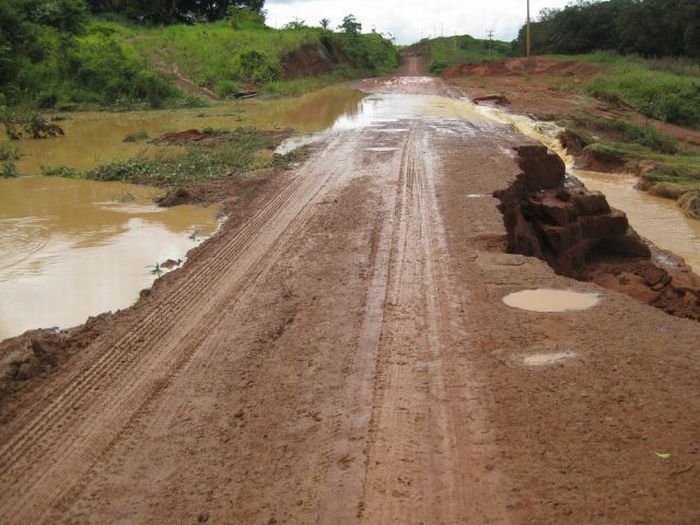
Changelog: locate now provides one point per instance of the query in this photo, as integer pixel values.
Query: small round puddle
(546, 300)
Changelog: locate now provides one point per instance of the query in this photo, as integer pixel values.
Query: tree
(325, 23)
(350, 26)
(168, 11)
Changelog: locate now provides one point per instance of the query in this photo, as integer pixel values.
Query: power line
(490, 35)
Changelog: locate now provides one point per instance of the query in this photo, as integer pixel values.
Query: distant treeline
(170, 11)
(651, 28)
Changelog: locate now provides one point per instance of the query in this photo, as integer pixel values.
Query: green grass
(121, 65)
(9, 171)
(222, 58)
(665, 94)
(445, 52)
(647, 136)
(229, 152)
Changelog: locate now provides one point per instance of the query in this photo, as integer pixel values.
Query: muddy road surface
(342, 354)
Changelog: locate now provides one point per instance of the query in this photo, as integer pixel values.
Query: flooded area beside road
(659, 220)
(95, 138)
(70, 249)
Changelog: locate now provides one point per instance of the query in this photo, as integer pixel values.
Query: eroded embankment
(550, 216)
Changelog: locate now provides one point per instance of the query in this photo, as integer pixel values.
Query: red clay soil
(309, 60)
(541, 86)
(340, 353)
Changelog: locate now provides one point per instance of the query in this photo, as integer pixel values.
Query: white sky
(411, 20)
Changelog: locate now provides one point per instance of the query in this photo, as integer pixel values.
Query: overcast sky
(411, 20)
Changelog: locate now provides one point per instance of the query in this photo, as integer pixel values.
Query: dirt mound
(580, 236)
(180, 138)
(309, 60)
(36, 352)
(523, 66)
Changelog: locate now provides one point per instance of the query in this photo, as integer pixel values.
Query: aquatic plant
(9, 171)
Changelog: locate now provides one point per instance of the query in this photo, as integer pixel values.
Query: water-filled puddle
(547, 300)
(73, 248)
(547, 359)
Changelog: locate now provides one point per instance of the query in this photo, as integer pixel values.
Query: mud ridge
(555, 218)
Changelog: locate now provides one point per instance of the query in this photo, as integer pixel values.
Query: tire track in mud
(341, 497)
(418, 466)
(47, 452)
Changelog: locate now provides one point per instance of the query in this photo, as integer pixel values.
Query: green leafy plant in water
(9, 171)
(155, 269)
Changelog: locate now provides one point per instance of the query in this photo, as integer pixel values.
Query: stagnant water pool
(71, 249)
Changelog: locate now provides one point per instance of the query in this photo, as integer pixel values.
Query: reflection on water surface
(70, 249)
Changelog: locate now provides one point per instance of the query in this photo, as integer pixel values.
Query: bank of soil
(340, 353)
(549, 88)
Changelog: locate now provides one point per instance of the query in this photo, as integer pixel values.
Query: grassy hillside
(225, 60)
(123, 65)
(445, 52)
(667, 90)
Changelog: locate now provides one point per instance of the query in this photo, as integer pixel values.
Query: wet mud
(340, 353)
(577, 232)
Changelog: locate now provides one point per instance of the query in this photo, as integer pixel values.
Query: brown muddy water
(657, 219)
(70, 249)
(549, 301)
(96, 138)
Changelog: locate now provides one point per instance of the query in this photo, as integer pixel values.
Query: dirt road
(343, 355)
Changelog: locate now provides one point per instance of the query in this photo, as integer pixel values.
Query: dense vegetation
(445, 52)
(650, 28)
(56, 53)
(224, 60)
(169, 11)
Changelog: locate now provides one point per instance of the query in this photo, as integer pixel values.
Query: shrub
(226, 88)
(9, 171)
(257, 67)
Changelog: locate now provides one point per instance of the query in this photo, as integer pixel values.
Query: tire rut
(84, 414)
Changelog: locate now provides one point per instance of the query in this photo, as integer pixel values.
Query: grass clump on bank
(59, 55)
(216, 156)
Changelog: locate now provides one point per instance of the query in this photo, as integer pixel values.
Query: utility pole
(490, 34)
(529, 41)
